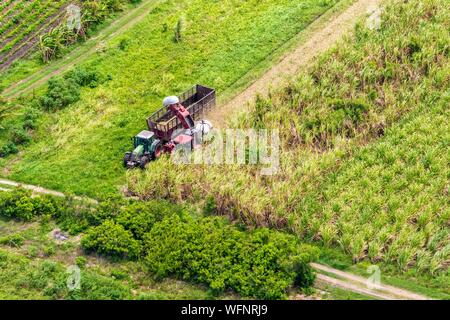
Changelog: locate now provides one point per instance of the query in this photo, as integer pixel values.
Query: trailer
(197, 101)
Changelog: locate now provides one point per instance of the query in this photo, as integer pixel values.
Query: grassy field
(79, 149)
(23, 74)
(365, 149)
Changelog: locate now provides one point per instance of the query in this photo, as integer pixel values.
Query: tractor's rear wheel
(157, 151)
(144, 161)
(126, 159)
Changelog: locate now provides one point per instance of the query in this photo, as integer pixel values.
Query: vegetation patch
(43, 24)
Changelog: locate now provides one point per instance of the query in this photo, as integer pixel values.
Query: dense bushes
(261, 263)
(112, 239)
(63, 91)
(20, 205)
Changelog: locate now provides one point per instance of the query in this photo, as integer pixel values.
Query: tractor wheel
(144, 161)
(126, 158)
(158, 151)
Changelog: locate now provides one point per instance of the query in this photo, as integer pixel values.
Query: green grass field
(365, 140)
(79, 149)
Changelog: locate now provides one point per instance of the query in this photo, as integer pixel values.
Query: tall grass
(365, 148)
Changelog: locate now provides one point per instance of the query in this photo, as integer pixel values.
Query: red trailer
(197, 101)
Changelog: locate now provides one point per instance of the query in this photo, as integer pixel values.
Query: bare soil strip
(6, 185)
(294, 61)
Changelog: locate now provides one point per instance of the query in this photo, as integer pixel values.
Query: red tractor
(176, 123)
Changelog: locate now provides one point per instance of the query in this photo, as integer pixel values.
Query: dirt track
(351, 282)
(289, 66)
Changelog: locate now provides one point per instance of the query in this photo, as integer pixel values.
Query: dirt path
(292, 62)
(351, 282)
(81, 53)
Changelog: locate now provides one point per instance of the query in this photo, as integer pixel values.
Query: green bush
(81, 262)
(139, 217)
(261, 264)
(19, 204)
(20, 136)
(31, 115)
(9, 148)
(60, 93)
(83, 77)
(14, 240)
(110, 238)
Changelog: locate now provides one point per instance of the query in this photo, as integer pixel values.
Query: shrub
(110, 238)
(49, 250)
(15, 240)
(19, 204)
(139, 217)
(20, 136)
(60, 93)
(124, 43)
(81, 262)
(9, 148)
(178, 30)
(83, 77)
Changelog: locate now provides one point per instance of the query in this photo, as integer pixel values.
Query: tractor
(146, 148)
(176, 124)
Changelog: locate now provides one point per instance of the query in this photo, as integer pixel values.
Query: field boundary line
(38, 189)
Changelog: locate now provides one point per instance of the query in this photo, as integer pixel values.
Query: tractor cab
(144, 138)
